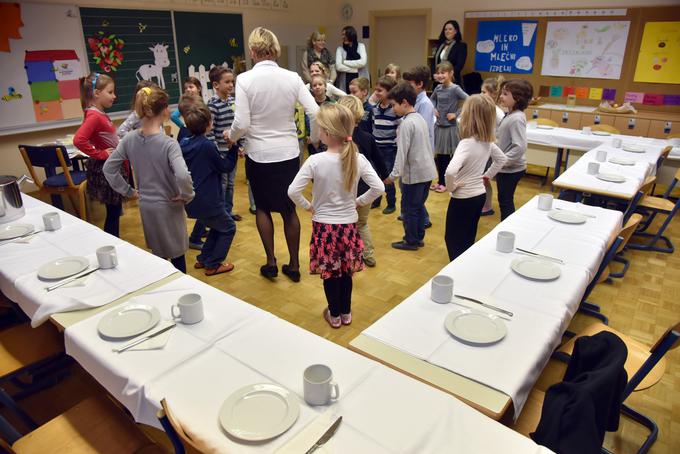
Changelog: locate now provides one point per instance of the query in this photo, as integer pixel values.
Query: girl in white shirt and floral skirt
(335, 250)
(465, 175)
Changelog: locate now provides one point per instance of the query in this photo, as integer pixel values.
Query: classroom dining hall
(332, 226)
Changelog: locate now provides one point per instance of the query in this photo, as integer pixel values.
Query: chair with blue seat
(67, 182)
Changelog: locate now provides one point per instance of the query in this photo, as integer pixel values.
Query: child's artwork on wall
(590, 49)
(506, 46)
(10, 25)
(659, 58)
(40, 73)
(131, 46)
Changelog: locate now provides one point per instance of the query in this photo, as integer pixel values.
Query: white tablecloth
(19, 263)
(542, 310)
(574, 139)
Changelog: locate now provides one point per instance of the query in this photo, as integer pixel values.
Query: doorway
(400, 37)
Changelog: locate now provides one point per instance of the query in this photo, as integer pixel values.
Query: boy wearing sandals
(207, 165)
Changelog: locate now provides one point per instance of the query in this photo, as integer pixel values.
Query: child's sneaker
(196, 245)
(440, 188)
(346, 319)
(335, 322)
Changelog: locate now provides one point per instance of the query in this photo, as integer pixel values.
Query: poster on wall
(590, 49)
(42, 56)
(659, 57)
(505, 46)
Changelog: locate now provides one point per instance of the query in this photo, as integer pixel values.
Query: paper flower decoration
(106, 50)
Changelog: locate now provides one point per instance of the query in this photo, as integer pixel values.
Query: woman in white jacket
(351, 60)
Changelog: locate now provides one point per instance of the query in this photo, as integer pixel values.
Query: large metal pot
(11, 205)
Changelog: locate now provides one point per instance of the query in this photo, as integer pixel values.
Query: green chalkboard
(208, 39)
(130, 45)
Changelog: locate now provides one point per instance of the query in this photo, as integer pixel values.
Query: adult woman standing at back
(451, 48)
(317, 51)
(265, 107)
(350, 59)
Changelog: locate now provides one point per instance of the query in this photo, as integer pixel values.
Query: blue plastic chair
(593, 309)
(67, 182)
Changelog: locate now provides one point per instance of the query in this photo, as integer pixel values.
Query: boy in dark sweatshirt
(206, 165)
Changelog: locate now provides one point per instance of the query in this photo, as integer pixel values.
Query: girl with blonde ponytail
(335, 250)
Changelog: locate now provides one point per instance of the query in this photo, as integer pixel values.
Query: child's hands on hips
(451, 116)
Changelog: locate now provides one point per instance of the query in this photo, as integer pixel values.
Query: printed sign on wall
(659, 58)
(506, 46)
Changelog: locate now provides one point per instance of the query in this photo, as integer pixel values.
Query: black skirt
(269, 182)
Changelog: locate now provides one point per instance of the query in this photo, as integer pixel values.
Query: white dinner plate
(567, 216)
(7, 232)
(601, 133)
(128, 321)
(621, 161)
(259, 412)
(611, 177)
(545, 127)
(475, 327)
(63, 267)
(631, 147)
(536, 268)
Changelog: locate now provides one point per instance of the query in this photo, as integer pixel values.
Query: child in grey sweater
(512, 139)
(414, 164)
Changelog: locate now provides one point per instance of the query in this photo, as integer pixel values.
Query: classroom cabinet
(632, 126)
(597, 119)
(533, 113)
(566, 119)
(660, 129)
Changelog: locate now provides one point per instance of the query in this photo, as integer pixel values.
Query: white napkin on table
(155, 342)
(306, 438)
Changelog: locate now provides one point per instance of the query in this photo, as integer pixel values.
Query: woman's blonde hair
(392, 68)
(478, 119)
(322, 67)
(264, 43)
(317, 77)
(338, 121)
(150, 102)
(315, 36)
(493, 86)
(354, 105)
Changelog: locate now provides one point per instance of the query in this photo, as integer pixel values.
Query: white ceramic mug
(593, 168)
(617, 142)
(318, 385)
(442, 289)
(545, 202)
(505, 241)
(51, 220)
(106, 257)
(587, 130)
(189, 307)
(601, 155)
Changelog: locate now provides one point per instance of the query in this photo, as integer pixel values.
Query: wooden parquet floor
(643, 304)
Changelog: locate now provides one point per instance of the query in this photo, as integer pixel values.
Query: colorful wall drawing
(53, 79)
(10, 24)
(506, 46)
(590, 49)
(659, 57)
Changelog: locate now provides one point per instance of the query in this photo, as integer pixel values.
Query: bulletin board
(42, 56)
(131, 45)
(651, 96)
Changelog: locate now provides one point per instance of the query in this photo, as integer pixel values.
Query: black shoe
(428, 224)
(269, 271)
(292, 275)
(488, 213)
(420, 243)
(400, 218)
(389, 210)
(404, 246)
(252, 210)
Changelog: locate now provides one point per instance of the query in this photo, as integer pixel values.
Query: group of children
(366, 144)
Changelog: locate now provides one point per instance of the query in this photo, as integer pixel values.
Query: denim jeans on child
(220, 236)
(413, 209)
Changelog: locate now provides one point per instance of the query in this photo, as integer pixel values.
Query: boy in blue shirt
(207, 165)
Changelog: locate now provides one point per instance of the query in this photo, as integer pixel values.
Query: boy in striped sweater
(384, 124)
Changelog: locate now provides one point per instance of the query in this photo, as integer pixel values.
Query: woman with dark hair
(350, 59)
(451, 48)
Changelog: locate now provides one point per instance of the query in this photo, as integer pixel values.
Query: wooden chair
(51, 157)
(95, 425)
(28, 366)
(546, 122)
(181, 441)
(626, 233)
(652, 206)
(605, 128)
(645, 367)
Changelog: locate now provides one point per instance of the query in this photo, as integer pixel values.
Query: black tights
(339, 294)
(179, 263)
(442, 161)
(291, 229)
(112, 222)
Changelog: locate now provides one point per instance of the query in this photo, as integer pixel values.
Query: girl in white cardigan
(465, 175)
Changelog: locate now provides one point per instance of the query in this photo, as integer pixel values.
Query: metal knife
(502, 311)
(25, 235)
(71, 279)
(576, 211)
(535, 254)
(326, 436)
(144, 339)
